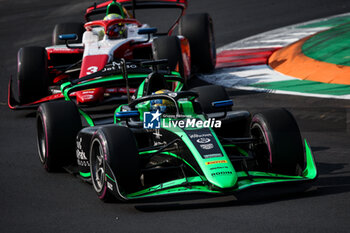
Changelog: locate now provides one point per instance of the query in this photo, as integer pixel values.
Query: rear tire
(198, 29)
(116, 147)
(280, 149)
(32, 77)
(168, 47)
(58, 123)
(67, 28)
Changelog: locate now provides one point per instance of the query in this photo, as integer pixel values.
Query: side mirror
(68, 37)
(127, 114)
(222, 104)
(144, 31)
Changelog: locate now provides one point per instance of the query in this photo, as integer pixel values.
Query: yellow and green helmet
(114, 9)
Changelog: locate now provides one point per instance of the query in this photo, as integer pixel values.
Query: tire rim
(97, 166)
(262, 146)
(41, 140)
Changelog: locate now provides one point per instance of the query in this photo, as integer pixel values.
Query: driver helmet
(112, 16)
(115, 8)
(115, 31)
(162, 105)
(115, 11)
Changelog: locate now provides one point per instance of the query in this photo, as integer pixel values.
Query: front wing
(198, 184)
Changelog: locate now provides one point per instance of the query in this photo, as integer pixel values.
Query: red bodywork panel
(62, 51)
(91, 64)
(58, 75)
(91, 95)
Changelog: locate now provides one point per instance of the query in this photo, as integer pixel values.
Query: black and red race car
(80, 49)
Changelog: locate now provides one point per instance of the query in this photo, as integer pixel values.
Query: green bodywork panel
(226, 181)
(243, 181)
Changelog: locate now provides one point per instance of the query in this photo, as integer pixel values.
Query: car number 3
(91, 69)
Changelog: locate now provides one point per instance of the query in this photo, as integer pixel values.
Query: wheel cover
(262, 146)
(97, 166)
(41, 140)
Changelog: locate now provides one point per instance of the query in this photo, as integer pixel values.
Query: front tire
(114, 149)
(58, 123)
(279, 148)
(32, 77)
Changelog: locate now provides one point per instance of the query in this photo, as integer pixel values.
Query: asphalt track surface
(32, 200)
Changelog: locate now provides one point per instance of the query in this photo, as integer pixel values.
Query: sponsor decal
(222, 167)
(83, 163)
(216, 162)
(224, 173)
(207, 146)
(203, 140)
(200, 135)
(81, 157)
(212, 156)
(117, 66)
(79, 152)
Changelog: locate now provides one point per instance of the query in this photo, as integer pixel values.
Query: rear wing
(132, 5)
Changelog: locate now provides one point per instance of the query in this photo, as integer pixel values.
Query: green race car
(166, 141)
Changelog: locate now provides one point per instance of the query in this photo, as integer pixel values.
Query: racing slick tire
(208, 94)
(279, 147)
(113, 148)
(168, 47)
(67, 28)
(58, 124)
(32, 76)
(198, 29)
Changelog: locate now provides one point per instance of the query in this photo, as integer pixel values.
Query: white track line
(240, 77)
(245, 75)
